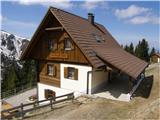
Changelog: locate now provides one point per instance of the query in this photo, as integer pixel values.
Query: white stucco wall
(96, 80)
(158, 60)
(79, 85)
(99, 79)
(42, 87)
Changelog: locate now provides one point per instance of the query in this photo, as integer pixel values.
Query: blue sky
(126, 21)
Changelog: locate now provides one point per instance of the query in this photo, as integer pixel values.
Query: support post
(72, 97)
(34, 105)
(130, 84)
(109, 76)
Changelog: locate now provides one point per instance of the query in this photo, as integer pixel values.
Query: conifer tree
(126, 48)
(152, 51)
(145, 50)
(11, 78)
(131, 49)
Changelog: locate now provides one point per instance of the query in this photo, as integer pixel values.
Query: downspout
(88, 80)
(37, 75)
(88, 77)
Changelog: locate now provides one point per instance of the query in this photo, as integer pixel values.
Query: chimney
(91, 18)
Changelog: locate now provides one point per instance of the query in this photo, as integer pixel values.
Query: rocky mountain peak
(12, 45)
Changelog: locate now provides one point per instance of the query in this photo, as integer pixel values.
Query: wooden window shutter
(76, 74)
(65, 72)
(46, 69)
(54, 70)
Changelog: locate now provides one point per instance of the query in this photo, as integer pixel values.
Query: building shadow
(116, 87)
(120, 85)
(145, 87)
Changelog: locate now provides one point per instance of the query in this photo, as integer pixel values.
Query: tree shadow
(145, 87)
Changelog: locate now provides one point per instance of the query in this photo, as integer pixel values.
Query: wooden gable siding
(45, 78)
(41, 51)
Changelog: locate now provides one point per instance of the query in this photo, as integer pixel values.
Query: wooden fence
(19, 111)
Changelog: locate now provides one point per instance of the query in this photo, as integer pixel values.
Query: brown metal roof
(81, 30)
(98, 53)
(122, 60)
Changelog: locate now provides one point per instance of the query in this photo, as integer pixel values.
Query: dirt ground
(144, 106)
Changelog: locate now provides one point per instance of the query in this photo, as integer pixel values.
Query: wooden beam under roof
(54, 28)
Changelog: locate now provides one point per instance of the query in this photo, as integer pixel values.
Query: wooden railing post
(22, 115)
(72, 97)
(34, 105)
(51, 103)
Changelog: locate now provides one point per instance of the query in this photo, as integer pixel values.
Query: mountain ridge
(12, 45)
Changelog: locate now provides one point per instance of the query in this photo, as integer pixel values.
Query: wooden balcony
(49, 80)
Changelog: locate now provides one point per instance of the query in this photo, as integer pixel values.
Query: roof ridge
(69, 13)
(96, 24)
(51, 7)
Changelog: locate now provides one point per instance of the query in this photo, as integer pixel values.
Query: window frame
(50, 71)
(48, 94)
(54, 70)
(67, 40)
(98, 38)
(52, 45)
(71, 71)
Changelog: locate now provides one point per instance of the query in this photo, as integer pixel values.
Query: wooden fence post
(22, 115)
(34, 105)
(51, 103)
(72, 97)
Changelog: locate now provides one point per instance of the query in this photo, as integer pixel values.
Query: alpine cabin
(77, 54)
(155, 58)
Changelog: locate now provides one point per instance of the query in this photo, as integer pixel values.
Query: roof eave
(23, 55)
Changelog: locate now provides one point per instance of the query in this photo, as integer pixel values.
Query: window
(52, 45)
(68, 44)
(51, 70)
(71, 73)
(49, 93)
(98, 38)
